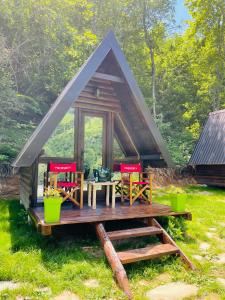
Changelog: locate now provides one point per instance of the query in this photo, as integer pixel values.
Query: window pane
(93, 139)
(61, 142)
(117, 151)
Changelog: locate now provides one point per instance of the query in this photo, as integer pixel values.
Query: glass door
(93, 156)
(92, 141)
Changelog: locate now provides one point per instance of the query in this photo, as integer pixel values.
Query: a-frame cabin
(104, 89)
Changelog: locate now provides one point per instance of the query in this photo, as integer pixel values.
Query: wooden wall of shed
(28, 185)
(213, 175)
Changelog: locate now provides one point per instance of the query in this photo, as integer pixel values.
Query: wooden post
(107, 195)
(81, 190)
(131, 189)
(94, 196)
(150, 189)
(113, 195)
(46, 230)
(89, 194)
(114, 260)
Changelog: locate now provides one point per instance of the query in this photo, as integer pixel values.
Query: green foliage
(45, 42)
(51, 193)
(176, 228)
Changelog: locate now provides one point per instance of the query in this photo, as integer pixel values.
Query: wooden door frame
(107, 138)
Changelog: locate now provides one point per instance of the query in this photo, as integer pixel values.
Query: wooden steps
(118, 259)
(134, 232)
(149, 252)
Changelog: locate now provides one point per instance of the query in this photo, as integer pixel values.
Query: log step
(149, 252)
(134, 232)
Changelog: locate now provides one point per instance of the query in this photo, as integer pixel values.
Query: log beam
(114, 260)
(46, 230)
(108, 77)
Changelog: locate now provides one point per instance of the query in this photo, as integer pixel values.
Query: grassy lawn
(62, 261)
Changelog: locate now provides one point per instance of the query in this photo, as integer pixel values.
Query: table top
(102, 183)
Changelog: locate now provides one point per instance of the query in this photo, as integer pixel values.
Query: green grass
(61, 263)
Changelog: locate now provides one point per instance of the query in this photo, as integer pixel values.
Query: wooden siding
(106, 101)
(25, 186)
(28, 185)
(213, 175)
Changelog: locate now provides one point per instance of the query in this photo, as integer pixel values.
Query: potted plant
(178, 199)
(52, 205)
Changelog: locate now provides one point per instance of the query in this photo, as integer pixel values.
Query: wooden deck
(74, 215)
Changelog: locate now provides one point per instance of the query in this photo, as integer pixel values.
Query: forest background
(181, 74)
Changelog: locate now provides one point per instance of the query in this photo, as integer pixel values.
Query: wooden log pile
(167, 176)
(9, 187)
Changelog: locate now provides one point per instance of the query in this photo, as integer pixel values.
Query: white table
(92, 189)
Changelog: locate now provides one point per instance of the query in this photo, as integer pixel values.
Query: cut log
(113, 260)
(134, 232)
(153, 251)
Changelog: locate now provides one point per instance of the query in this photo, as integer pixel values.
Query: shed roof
(210, 148)
(152, 142)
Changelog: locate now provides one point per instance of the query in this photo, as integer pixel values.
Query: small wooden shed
(208, 158)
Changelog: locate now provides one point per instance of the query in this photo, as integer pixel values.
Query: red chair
(135, 188)
(69, 185)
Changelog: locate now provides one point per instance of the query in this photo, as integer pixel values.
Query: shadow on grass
(63, 246)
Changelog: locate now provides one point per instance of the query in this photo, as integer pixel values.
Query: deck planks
(71, 215)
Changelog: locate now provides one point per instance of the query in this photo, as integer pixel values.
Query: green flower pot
(52, 209)
(178, 202)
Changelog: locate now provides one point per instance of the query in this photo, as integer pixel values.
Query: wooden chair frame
(132, 189)
(68, 193)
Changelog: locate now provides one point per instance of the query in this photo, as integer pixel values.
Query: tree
(152, 18)
(47, 41)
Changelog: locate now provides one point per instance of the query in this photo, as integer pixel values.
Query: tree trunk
(153, 75)
(150, 43)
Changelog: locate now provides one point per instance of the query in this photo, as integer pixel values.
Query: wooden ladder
(118, 259)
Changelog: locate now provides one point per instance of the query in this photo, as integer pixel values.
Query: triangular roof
(71, 93)
(210, 148)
